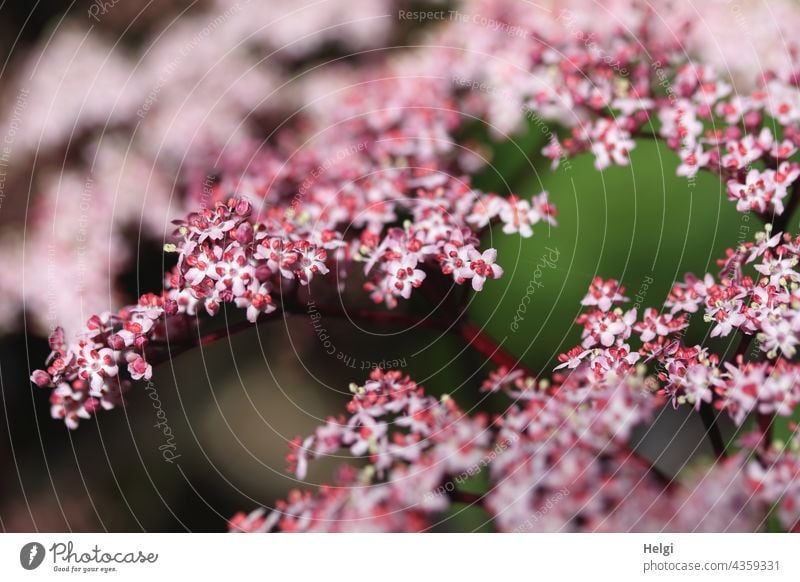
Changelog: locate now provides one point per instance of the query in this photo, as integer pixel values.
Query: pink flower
(654, 325)
(138, 368)
(518, 217)
(740, 154)
(610, 144)
(95, 364)
(692, 161)
(604, 294)
(483, 267)
(779, 337)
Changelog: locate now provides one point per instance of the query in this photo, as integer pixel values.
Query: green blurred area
(640, 224)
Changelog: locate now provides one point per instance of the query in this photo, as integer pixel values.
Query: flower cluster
(560, 462)
(396, 208)
(85, 374)
(223, 258)
(410, 441)
(775, 475)
(610, 91)
(708, 126)
(210, 79)
(226, 255)
(759, 304)
(408, 198)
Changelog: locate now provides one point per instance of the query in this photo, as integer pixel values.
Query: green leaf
(640, 224)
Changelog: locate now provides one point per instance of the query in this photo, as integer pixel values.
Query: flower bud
(115, 342)
(171, 307)
(262, 273)
(94, 323)
(243, 234)
(41, 378)
(139, 368)
(243, 207)
(56, 339)
(92, 405)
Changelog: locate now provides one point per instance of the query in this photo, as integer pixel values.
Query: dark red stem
(483, 343)
(464, 497)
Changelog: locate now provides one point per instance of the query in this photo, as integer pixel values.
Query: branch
(708, 413)
(475, 337)
(464, 497)
(160, 352)
(765, 421)
(709, 417)
(383, 317)
(479, 340)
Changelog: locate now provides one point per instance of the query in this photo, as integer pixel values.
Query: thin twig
(709, 417)
(479, 340)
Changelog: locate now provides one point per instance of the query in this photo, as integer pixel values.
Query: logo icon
(31, 555)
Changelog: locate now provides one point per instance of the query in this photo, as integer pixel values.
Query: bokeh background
(75, 84)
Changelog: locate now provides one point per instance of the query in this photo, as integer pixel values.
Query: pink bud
(139, 368)
(171, 307)
(732, 133)
(263, 273)
(56, 339)
(41, 378)
(752, 119)
(115, 342)
(243, 207)
(244, 234)
(91, 405)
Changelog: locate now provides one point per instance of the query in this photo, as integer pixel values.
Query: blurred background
(107, 106)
